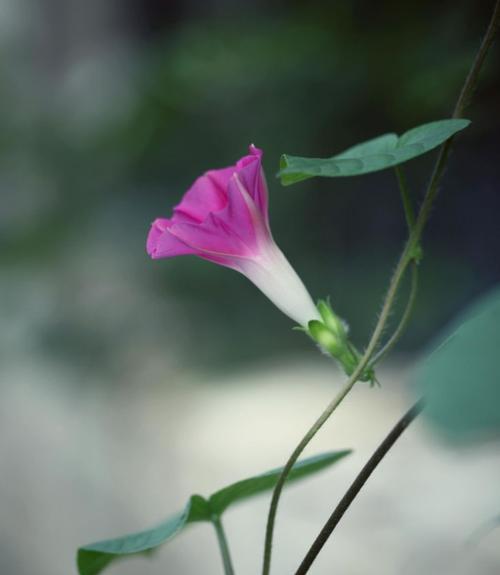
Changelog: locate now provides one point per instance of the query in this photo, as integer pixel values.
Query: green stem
(357, 484)
(405, 197)
(223, 546)
(406, 257)
(404, 319)
(318, 424)
(463, 101)
(471, 81)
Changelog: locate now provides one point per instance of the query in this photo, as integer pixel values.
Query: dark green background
(103, 130)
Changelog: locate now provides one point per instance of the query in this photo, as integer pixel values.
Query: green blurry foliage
(460, 379)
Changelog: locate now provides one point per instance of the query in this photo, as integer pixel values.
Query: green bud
(331, 335)
(325, 338)
(331, 320)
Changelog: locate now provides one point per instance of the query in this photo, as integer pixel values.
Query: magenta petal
(206, 195)
(250, 171)
(162, 244)
(221, 177)
(238, 214)
(212, 237)
(158, 227)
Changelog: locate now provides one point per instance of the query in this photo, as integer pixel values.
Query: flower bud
(331, 320)
(331, 335)
(326, 339)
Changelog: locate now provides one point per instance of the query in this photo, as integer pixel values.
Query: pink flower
(223, 218)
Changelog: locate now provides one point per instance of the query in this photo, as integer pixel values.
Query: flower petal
(157, 229)
(256, 232)
(206, 195)
(250, 171)
(212, 237)
(277, 279)
(234, 233)
(162, 244)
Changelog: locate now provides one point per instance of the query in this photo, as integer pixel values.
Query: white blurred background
(92, 465)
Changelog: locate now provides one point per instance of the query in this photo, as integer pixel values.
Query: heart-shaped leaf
(461, 378)
(377, 154)
(93, 558)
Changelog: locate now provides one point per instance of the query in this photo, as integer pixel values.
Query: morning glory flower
(223, 218)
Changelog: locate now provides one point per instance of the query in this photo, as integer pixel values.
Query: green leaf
(222, 499)
(461, 377)
(93, 558)
(377, 154)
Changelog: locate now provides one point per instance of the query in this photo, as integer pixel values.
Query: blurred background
(127, 384)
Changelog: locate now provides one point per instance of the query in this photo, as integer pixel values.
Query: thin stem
(473, 76)
(405, 197)
(406, 257)
(223, 546)
(356, 486)
(404, 319)
(463, 101)
(318, 424)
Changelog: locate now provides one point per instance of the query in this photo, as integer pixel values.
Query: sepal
(331, 335)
